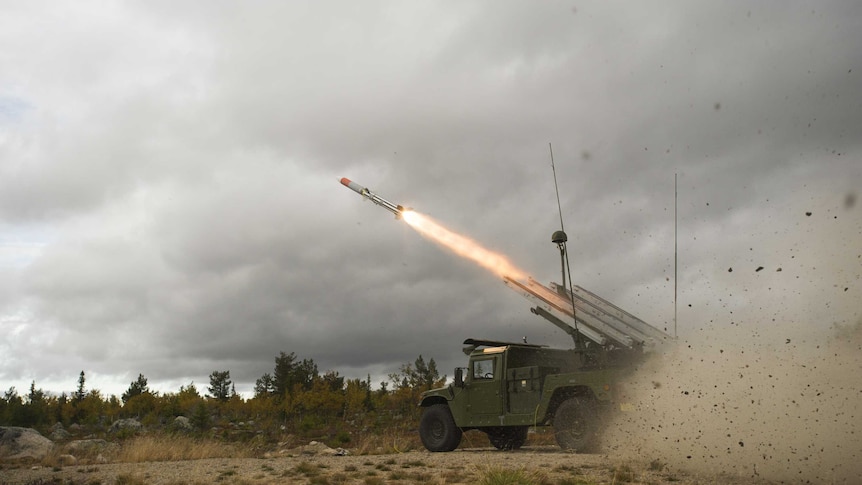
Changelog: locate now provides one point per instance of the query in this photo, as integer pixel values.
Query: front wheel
(576, 425)
(508, 438)
(437, 429)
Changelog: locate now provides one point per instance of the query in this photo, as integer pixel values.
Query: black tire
(507, 438)
(576, 425)
(437, 429)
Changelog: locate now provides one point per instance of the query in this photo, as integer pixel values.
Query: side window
(483, 369)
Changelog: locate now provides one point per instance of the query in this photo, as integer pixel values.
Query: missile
(364, 192)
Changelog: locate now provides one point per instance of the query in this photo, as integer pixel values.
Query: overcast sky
(170, 205)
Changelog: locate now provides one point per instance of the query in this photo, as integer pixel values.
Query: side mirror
(459, 377)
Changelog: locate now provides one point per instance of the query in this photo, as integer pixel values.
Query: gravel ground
(546, 465)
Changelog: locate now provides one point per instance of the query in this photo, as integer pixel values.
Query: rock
(89, 447)
(16, 443)
(182, 423)
(125, 424)
(67, 460)
(317, 448)
(59, 434)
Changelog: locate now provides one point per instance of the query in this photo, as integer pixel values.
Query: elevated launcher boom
(598, 320)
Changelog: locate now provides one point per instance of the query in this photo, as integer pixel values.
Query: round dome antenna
(559, 237)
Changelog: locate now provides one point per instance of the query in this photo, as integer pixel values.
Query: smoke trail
(462, 246)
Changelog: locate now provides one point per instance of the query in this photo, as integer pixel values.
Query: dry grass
(175, 448)
(622, 474)
(507, 476)
(392, 441)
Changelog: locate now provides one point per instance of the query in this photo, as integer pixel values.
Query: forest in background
(295, 398)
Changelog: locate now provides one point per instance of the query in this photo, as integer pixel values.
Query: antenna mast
(675, 197)
(557, 189)
(560, 238)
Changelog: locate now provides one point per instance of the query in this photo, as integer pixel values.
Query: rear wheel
(437, 429)
(576, 425)
(508, 438)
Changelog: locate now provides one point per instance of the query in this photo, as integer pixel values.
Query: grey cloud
(196, 222)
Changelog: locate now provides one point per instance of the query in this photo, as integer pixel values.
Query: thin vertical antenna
(557, 189)
(675, 197)
(567, 267)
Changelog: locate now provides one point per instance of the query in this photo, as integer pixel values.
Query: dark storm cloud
(185, 176)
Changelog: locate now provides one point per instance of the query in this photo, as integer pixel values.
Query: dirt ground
(538, 464)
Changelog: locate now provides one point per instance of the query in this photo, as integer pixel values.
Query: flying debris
(364, 192)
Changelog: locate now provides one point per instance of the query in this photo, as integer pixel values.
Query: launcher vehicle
(508, 387)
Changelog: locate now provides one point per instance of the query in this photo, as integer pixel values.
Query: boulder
(17, 443)
(67, 460)
(59, 434)
(318, 448)
(89, 447)
(131, 424)
(182, 423)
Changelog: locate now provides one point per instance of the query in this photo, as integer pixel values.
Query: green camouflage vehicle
(508, 387)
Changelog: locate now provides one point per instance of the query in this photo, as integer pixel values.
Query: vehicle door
(484, 384)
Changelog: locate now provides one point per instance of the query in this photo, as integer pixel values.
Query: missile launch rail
(599, 320)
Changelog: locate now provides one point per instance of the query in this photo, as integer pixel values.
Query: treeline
(294, 397)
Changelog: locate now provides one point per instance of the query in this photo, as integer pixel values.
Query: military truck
(508, 387)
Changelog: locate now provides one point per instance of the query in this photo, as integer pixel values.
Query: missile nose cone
(354, 186)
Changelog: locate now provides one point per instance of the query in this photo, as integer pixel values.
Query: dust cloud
(776, 408)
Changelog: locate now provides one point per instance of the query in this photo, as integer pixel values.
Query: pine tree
(220, 385)
(264, 386)
(80, 394)
(283, 374)
(136, 388)
(290, 374)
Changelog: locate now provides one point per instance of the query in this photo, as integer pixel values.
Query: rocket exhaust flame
(462, 246)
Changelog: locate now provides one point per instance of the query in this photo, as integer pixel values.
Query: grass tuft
(389, 441)
(502, 476)
(307, 469)
(623, 474)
